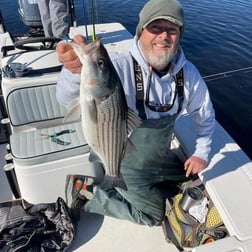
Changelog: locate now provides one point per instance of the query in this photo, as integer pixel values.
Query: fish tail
(110, 182)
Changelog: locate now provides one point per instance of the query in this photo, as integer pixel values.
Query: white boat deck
(97, 232)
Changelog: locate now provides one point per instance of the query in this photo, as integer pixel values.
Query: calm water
(218, 38)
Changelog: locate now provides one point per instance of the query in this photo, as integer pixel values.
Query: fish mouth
(86, 49)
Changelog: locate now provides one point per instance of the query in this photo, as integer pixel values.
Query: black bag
(41, 227)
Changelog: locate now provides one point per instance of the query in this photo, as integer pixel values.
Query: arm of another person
(201, 108)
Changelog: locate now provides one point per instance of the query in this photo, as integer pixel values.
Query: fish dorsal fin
(73, 111)
(133, 121)
(129, 149)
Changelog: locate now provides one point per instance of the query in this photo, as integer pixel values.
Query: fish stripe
(112, 132)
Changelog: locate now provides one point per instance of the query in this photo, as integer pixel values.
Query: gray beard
(161, 61)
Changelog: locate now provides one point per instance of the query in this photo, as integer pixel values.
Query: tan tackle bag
(184, 231)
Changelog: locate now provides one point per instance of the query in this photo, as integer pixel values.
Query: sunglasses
(158, 107)
(158, 29)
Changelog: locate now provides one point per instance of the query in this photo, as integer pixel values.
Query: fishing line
(226, 74)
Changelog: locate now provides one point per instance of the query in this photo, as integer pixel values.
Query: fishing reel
(37, 43)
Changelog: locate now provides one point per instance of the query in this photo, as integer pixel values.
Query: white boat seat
(30, 99)
(41, 165)
(29, 148)
(34, 107)
(33, 104)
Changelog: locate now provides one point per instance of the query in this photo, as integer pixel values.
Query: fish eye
(100, 62)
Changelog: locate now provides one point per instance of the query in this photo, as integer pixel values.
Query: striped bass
(106, 119)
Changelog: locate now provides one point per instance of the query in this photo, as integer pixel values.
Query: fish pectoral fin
(92, 110)
(93, 157)
(110, 182)
(73, 112)
(133, 121)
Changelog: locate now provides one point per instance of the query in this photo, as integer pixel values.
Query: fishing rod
(72, 13)
(85, 18)
(226, 74)
(93, 21)
(92, 15)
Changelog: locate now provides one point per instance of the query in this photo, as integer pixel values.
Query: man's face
(159, 42)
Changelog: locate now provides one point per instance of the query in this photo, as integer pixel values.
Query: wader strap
(180, 88)
(140, 89)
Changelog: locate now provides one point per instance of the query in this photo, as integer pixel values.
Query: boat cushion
(29, 148)
(33, 104)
